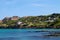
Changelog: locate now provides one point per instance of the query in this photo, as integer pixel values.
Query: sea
(28, 34)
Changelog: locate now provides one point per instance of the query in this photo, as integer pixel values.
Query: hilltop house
(1, 21)
(6, 19)
(14, 18)
(10, 18)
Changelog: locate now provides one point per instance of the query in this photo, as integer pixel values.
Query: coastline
(29, 27)
(34, 22)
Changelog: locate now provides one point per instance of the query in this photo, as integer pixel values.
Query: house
(1, 21)
(14, 18)
(6, 19)
(10, 18)
(50, 19)
(19, 22)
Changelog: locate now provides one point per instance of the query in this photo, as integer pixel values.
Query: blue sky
(28, 7)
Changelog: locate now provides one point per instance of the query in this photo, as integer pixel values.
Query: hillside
(42, 21)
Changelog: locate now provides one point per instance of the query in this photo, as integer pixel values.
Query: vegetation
(44, 21)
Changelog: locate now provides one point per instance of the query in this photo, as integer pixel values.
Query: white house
(19, 23)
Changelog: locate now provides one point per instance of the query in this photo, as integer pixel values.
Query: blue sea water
(27, 34)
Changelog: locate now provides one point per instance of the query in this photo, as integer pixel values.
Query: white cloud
(8, 2)
(39, 5)
(42, 5)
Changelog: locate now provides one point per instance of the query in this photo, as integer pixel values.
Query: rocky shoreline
(53, 34)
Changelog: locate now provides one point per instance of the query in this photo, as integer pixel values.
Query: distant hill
(42, 21)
